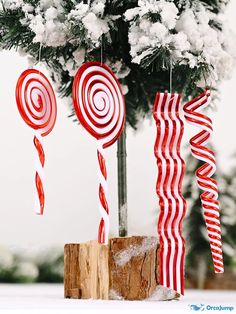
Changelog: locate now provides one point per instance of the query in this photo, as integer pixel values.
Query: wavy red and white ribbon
(169, 184)
(209, 197)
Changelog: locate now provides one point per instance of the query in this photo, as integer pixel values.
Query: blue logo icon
(197, 307)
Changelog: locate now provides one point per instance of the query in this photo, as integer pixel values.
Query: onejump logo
(208, 307)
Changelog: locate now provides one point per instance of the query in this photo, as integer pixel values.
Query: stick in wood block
(125, 269)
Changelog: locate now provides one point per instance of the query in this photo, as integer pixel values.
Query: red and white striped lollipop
(100, 108)
(36, 103)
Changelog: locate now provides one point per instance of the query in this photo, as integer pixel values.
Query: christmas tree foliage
(198, 259)
(142, 41)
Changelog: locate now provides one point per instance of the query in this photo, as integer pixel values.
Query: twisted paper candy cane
(169, 183)
(39, 176)
(37, 105)
(103, 205)
(204, 174)
(100, 108)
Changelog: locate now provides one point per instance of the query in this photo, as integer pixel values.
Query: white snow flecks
(162, 293)
(125, 91)
(79, 55)
(194, 37)
(12, 4)
(123, 257)
(114, 295)
(95, 26)
(89, 19)
(47, 22)
(145, 34)
(52, 27)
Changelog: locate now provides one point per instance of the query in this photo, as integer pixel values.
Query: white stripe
(178, 196)
(169, 192)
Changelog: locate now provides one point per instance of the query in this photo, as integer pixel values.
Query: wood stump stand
(125, 269)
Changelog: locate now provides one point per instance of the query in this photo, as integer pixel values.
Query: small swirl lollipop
(36, 103)
(100, 108)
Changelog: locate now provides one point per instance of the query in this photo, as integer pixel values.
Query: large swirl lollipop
(37, 105)
(100, 108)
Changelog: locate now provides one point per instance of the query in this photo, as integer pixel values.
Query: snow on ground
(46, 298)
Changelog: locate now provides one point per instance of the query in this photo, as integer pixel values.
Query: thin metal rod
(171, 74)
(122, 184)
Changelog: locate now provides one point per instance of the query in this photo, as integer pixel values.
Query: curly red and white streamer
(169, 183)
(36, 102)
(209, 197)
(100, 108)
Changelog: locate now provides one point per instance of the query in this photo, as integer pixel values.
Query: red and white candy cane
(100, 108)
(209, 197)
(36, 102)
(169, 184)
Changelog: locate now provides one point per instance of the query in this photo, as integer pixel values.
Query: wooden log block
(125, 269)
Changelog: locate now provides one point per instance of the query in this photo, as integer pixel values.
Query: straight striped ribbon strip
(169, 184)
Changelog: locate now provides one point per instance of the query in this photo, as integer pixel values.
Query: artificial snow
(193, 35)
(95, 26)
(124, 256)
(114, 295)
(193, 42)
(162, 294)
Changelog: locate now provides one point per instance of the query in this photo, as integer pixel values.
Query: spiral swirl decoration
(169, 185)
(99, 102)
(209, 197)
(36, 101)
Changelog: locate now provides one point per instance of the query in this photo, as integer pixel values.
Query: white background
(71, 211)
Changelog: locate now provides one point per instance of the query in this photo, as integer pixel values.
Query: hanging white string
(40, 52)
(171, 74)
(101, 49)
(40, 55)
